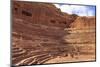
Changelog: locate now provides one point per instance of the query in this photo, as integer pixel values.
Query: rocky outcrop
(42, 13)
(82, 34)
(41, 32)
(84, 22)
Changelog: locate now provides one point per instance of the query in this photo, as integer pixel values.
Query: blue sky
(77, 9)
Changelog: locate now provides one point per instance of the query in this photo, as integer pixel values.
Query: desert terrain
(43, 34)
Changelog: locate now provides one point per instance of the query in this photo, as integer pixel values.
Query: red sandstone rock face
(84, 22)
(43, 13)
(39, 33)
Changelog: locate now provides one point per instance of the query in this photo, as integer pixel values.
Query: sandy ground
(70, 59)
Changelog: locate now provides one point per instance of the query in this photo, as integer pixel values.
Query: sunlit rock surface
(42, 34)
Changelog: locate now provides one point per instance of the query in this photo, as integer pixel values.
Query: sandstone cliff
(84, 22)
(41, 31)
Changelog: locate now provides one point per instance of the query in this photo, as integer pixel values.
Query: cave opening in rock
(53, 21)
(26, 13)
(16, 9)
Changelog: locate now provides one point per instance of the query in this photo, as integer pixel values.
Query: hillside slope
(42, 32)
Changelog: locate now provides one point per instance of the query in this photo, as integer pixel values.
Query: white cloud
(80, 10)
(75, 9)
(90, 13)
(57, 5)
(66, 8)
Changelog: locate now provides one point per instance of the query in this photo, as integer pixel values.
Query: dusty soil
(70, 59)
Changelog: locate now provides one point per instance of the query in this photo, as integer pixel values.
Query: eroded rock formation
(41, 32)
